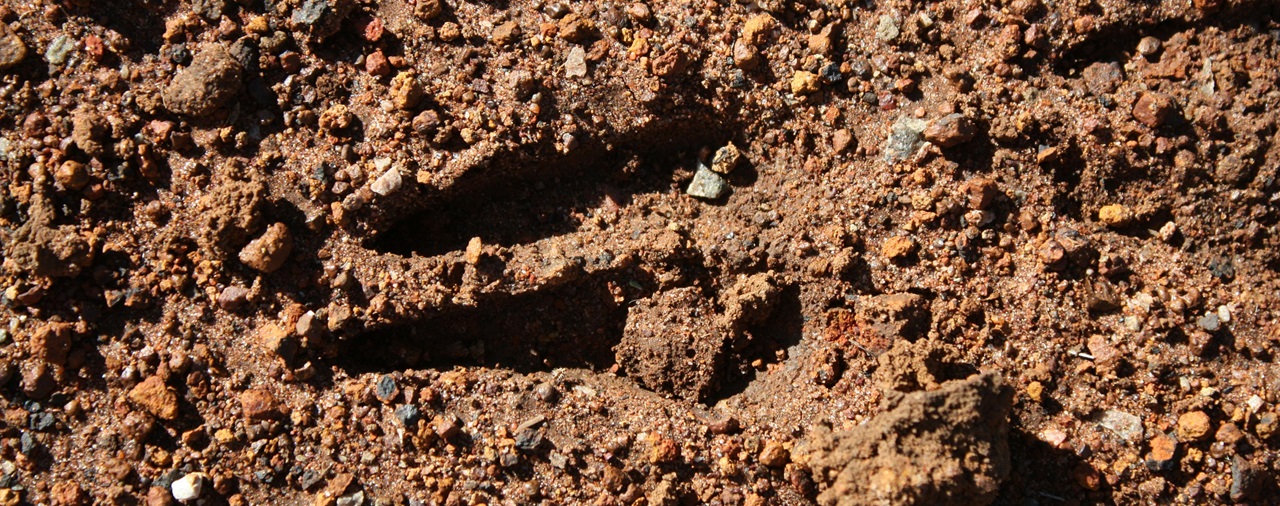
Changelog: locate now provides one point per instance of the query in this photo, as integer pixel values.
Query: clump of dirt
(675, 343)
(946, 446)
(43, 249)
(228, 215)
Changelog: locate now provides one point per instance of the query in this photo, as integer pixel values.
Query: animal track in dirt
(578, 228)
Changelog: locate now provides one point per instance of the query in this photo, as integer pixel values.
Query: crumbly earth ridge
(445, 252)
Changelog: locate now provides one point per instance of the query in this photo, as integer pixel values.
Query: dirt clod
(673, 343)
(268, 252)
(157, 398)
(212, 81)
(1194, 426)
(12, 49)
(944, 446)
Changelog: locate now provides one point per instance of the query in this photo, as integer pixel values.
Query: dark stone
(386, 390)
(529, 439)
(831, 73)
(1246, 479)
(309, 479)
(408, 414)
(41, 421)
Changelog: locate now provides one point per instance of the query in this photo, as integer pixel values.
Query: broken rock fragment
(707, 184)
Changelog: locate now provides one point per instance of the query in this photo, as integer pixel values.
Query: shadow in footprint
(526, 196)
(1042, 474)
(572, 326)
(782, 331)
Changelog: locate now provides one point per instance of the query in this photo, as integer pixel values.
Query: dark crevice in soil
(783, 331)
(571, 326)
(510, 203)
(1116, 43)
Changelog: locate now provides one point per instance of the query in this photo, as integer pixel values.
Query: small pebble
(707, 184)
(547, 392)
(1193, 426)
(1162, 455)
(1153, 109)
(1035, 390)
(72, 175)
(153, 396)
(385, 389)
(408, 414)
(258, 404)
(233, 297)
(898, 247)
(268, 252)
(887, 29)
(1148, 46)
(951, 130)
(575, 63)
(1125, 425)
(447, 426)
(212, 81)
(804, 83)
(775, 454)
(905, 137)
(726, 159)
(189, 487)
(1115, 215)
(389, 182)
(59, 50)
(12, 49)
(1209, 322)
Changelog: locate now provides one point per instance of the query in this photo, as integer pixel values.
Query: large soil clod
(946, 446)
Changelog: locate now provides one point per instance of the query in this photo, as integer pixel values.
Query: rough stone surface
(726, 159)
(898, 247)
(1102, 78)
(905, 137)
(575, 63)
(1194, 426)
(1115, 215)
(947, 446)
(707, 184)
(1153, 109)
(406, 91)
(258, 404)
(758, 29)
(322, 18)
(212, 80)
(804, 83)
(153, 396)
(951, 130)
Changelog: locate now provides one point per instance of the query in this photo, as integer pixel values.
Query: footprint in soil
(550, 269)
